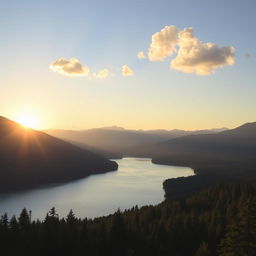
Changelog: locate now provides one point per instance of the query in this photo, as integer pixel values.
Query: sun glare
(28, 120)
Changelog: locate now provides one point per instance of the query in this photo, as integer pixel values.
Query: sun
(28, 120)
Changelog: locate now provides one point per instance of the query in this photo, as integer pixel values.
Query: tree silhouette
(241, 236)
(24, 219)
(4, 221)
(224, 213)
(71, 219)
(14, 225)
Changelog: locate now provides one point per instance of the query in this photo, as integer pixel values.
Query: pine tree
(53, 213)
(14, 226)
(4, 221)
(52, 216)
(117, 232)
(71, 219)
(240, 238)
(24, 219)
(118, 225)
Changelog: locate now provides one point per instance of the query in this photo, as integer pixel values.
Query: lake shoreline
(137, 182)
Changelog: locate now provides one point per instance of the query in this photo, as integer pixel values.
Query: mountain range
(115, 142)
(234, 146)
(216, 158)
(30, 158)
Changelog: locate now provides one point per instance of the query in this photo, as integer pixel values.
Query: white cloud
(70, 67)
(141, 55)
(163, 43)
(200, 58)
(127, 71)
(104, 73)
(193, 56)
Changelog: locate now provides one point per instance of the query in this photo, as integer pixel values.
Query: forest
(219, 220)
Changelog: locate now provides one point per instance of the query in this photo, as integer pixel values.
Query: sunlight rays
(28, 119)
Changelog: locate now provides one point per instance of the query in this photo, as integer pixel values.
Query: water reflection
(137, 182)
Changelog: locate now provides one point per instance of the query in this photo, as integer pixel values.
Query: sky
(135, 64)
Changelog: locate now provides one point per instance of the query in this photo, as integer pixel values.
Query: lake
(137, 182)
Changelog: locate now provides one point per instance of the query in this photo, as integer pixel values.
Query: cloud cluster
(193, 56)
(127, 71)
(104, 73)
(163, 43)
(200, 58)
(73, 67)
(70, 67)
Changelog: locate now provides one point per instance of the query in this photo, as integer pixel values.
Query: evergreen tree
(52, 216)
(118, 225)
(170, 228)
(118, 233)
(241, 236)
(14, 226)
(4, 221)
(71, 219)
(53, 213)
(24, 219)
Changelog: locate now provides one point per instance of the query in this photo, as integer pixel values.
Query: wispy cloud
(127, 71)
(70, 67)
(104, 73)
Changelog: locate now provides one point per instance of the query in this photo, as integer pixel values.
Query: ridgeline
(29, 158)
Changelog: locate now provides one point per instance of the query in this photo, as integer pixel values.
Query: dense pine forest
(220, 220)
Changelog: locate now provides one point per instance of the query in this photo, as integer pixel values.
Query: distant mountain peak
(114, 128)
(244, 129)
(248, 125)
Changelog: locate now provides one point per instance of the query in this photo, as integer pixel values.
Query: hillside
(117, 142)
(30, 158)
(232, 146)
(223, 157)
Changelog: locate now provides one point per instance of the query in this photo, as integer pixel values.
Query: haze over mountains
(29, 158)
(216, 158)
(236, 145)
(113, 142)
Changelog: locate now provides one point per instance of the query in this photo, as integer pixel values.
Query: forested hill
(219, 221)
(222, 157)
(234, 147)
(29, 158)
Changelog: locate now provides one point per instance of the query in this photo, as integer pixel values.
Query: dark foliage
(217, 221)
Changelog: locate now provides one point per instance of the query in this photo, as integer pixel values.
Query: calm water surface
(137, 182)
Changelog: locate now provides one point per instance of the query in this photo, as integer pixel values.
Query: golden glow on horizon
(28, 119)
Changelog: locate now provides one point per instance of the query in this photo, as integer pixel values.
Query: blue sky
(109, 34)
